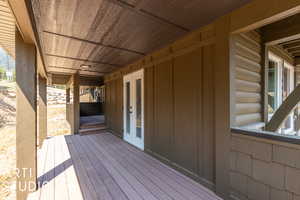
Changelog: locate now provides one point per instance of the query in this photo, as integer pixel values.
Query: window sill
(266, 135)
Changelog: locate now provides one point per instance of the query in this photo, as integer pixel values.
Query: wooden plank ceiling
(292, 47)
(284, 34)
(108, 34)
(7, 28)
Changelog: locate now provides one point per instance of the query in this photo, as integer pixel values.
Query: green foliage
(14, 76)
(2, 73)
(59, 86)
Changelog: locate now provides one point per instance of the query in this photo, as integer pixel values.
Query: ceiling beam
(258, 13)
(60, 79)
(87, 73)
(88, 81)
(282, 31)
(63, 79)
(77, 69)
(291, 45)
(23, 21)
(296, 54)
(295, 50)
(63, 70)
(83, 60)
(95, 43)
(297, 61)
(141, 12)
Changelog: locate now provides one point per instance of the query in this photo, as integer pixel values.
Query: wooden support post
(76, 102)
(50, 82)
(26, 136)
(42, 110)
(72, 104)
(222, 106)
(69, 106)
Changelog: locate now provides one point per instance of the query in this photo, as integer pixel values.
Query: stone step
(92, 125)
(94, 130)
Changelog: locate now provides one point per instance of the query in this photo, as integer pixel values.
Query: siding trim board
(267, 135)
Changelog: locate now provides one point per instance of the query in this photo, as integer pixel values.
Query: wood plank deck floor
(102, 166)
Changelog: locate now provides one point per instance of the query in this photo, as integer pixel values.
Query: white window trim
(281, 64)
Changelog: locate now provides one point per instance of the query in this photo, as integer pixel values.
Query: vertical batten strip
(222, 110)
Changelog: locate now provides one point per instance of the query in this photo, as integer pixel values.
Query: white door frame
(131, 136)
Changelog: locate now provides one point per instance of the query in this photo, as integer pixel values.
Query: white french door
(134, 108)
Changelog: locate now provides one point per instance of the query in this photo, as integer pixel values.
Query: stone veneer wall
(264, 169)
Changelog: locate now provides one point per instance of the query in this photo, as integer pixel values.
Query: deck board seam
(45, 155)
(120, 160)
(98, 162)
(137, 159)
(77, 165)
(166, 168)
(99, 181)
(118, 172)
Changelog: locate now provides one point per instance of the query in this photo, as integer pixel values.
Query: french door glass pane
(139, 108)
(128, 107)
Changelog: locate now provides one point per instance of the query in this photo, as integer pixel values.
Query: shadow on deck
(102, 166)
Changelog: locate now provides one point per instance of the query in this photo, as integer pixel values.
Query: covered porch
(183, 91)
(102, 166)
